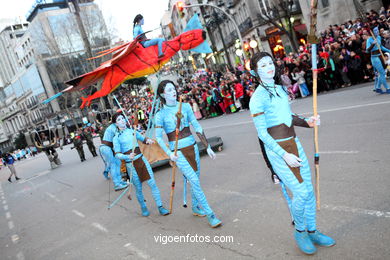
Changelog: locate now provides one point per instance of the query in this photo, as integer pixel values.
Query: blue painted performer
(136, 163)
(372, 47)
(275, 122)
(137, 30)
(112, 164)
(187, 159)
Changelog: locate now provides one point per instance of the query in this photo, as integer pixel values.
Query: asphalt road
(62, 213)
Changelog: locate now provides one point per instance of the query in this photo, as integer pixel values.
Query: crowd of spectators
(342, 61)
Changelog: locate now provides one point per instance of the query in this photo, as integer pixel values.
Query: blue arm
(117, 149)
(159, 134)
(140, 137)
(267, 139)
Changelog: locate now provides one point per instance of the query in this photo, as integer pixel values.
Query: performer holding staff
(187, 159)
(275, 122)
(136, 163)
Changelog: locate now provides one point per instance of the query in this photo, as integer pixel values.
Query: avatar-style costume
(275, 126)
(376, 61)
(139, 167)
(147, 42)
(109, 159)
(188, 153)
(275, 123)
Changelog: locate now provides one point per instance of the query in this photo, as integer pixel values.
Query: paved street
(62, 213)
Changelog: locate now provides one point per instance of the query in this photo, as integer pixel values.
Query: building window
(324, 3)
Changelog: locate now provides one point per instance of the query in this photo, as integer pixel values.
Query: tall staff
(313, 40)
(178, 116)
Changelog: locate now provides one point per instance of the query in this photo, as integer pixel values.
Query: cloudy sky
(118, 14)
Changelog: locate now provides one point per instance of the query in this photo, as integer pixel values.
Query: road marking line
(34, 177)
(305, 113)
(140, 253)
(78, 213)
(370, 212)
(15, 238)
(322, 152)
(20, 256)
(347, 209)
(100, 227)
(339, 152)
(52, 196)
(73, 200)
(11, 225)
(7, 215)
(5, 207)
(348, 107)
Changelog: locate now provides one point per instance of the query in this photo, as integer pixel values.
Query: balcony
(245, 26)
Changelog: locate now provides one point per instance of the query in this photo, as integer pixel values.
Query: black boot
(9, 179)
(17, 178)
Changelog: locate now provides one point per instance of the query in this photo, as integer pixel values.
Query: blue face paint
(121, 122)
(376, 31)
(141, 22)
(266, 70)
(170, 94)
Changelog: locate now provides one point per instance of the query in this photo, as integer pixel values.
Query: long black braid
(258, 56)
(137, 18)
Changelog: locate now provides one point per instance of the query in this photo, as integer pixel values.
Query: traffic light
(180, 8)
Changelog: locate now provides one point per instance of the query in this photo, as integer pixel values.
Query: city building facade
(37, 57)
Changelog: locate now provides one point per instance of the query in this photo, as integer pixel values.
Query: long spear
(314, 40)
(178, 116)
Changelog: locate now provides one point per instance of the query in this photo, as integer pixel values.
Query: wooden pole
(314, 40)
(178, 115)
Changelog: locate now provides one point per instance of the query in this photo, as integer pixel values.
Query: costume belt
(377, 52)
(137, 151)
(107, 143)
(281, 131)
(185, 132)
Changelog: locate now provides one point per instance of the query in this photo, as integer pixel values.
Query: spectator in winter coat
(239, 93)
(298, 76)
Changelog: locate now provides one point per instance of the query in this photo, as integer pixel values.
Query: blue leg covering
(151, 182)
(376, 62)
(303, 206)
(113, 164)
(197, 194)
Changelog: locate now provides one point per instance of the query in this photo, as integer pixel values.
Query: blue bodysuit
(270, 109)
(112, 163)
(376, 61)
(166, 121)
(123, 142)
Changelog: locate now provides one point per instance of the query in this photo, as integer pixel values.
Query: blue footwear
(121, 186)
(145, 211)
(378, 90)
(197, 211)
(304, 242)
(163, 211)
(387, 91)
(105, 174)
(213, 221)
(320, 239)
